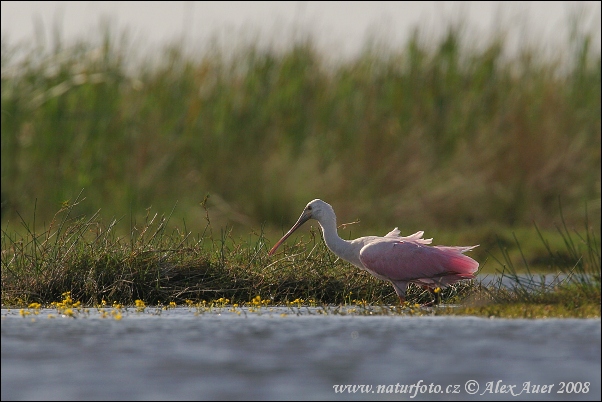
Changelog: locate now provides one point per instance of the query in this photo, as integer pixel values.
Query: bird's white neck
(340, 247)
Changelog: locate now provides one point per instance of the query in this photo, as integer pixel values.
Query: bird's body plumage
(398, 259)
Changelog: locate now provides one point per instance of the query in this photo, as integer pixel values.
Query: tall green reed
(429, 135)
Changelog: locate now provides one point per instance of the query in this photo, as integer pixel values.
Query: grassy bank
(160, 264)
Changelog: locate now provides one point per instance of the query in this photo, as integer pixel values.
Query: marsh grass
(158, 264)
(577, 267)
(431, 135)
(87, 258)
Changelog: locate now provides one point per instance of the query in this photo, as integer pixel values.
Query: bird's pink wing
(408, 261)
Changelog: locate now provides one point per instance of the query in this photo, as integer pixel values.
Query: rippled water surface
(180, 355)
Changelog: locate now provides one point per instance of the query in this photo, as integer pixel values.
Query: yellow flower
(67, 300)
(35, 305)
(297, 301)
(437, 290)
(140, 306)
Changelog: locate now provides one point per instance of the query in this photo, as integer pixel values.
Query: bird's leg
(437, 296)
(400, 289)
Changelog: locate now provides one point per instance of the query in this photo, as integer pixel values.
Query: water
(177, 355)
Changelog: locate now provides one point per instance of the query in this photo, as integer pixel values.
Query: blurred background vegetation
(465, 142)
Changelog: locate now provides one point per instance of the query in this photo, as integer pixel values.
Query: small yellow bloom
(140, 306)
(437, 290)
(222, 301)
(67, 300)
(35, 305)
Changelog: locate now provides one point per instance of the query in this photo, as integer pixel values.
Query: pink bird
(398, 259)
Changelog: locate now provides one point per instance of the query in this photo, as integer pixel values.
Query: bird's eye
(309, 208)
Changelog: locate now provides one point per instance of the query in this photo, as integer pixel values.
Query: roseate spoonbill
(398, 259)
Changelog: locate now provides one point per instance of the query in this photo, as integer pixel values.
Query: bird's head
(316, 209)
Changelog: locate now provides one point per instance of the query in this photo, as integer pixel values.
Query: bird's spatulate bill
(302, 219)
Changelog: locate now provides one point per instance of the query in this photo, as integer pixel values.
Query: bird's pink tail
(456, 263)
